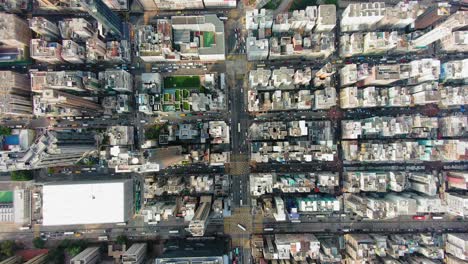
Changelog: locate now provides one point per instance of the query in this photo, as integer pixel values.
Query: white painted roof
(86, 203)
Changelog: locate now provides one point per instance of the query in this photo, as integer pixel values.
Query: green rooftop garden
(6, 196)
(180, 82)
(208, 38)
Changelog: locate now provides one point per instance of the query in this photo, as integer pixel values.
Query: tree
(5, 131)
(21, 175)
(38, 242)
(73, 250)
(122, 240)
(7, 248)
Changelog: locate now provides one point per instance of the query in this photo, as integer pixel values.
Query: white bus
(241, 227)
(103, 238)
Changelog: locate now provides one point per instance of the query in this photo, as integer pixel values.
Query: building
(44, 51)
(434, 13)
(73, 52)
(326, 19)
(362, 16)
(15, 98)
(457, 180)
(118, 80)
(454, 22)
(15, 37)
(220, 3)
(117, 5)
(258, 19)
(57, 103)
(193, 252)
(257, 49)
(76, 81)
(455, 42)
(90, 255)
(76, 28)
(95, 50)
(135, 254)
(104, 15)
(207, 42)
(87, 202)
(457, 204)
(60, 148)
(14, 32)
(120, 135)
(39, 259)
(15, 207)
(44, 27)
(401, 15)
(199, 222)
(454, 71)
(456, 245)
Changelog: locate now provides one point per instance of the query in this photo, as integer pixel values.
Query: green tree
(122, 240)
(5, 131)
(22, 175)
(38, 242)
(73, 250)
(7, 248)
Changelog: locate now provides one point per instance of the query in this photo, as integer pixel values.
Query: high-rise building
(73, 52)
(90, 255)
(198, 224)
(326, 19)
(455, 21)
(362, 16)
(455, 42)
(118, 80)
(135, 254)
(59, 5)
(58, 103)
(181, 251)
(95, 50)
(118, 5)
(433, 13)
(51, 148)
(104, 15)
(14, 31)
(76, 28)
(63, 80)
(44, 27)
(15, 96)
(50, 52)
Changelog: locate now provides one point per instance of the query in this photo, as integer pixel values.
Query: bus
(173, 231)
(241, 227)
(103, 238)
(238, 127)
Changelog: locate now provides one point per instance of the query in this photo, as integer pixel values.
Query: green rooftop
(6, 196)
(208, 38)
(179, 82)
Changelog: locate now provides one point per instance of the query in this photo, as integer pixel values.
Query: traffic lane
(363, 226)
